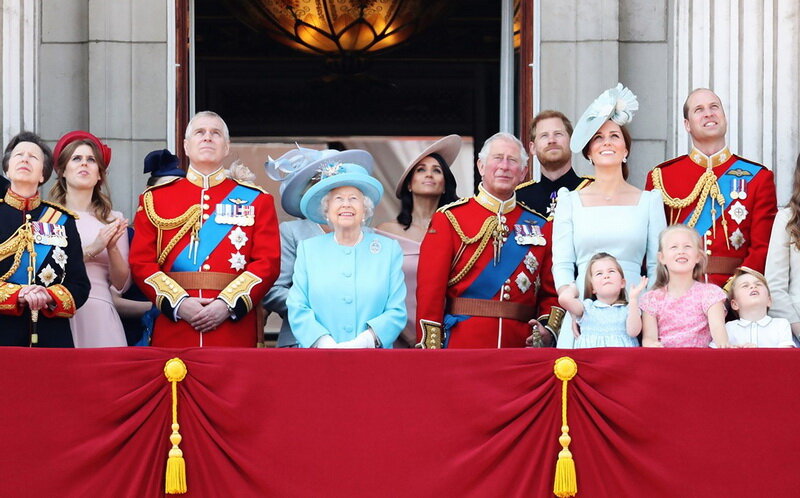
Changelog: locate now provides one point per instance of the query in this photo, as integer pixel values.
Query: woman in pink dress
(81, 161)
(426, 185)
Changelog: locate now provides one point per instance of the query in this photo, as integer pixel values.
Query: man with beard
(549, 142)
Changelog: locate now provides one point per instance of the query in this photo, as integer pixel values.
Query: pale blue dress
(629, 233)
(342, 290)
(604, 326)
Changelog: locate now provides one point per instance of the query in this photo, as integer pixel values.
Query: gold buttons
(206, 267)
(205, 216)
(708, 251)
(206, 197)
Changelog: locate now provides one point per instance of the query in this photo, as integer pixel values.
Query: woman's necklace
(360, 238)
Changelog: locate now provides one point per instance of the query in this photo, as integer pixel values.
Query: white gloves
(364, 340)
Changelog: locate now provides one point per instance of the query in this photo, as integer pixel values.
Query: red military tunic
(748, 191)
(447, 272)
(236, 257)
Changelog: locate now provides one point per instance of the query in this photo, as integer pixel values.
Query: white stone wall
(588, 46)
(103, 67)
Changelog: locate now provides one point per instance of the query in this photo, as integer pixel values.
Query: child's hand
(652, 344)
(576, 330)
(638, 288)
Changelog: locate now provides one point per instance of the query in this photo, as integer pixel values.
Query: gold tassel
(566, 483)
(175, 481)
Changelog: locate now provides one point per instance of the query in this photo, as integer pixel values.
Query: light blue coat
(341, 290)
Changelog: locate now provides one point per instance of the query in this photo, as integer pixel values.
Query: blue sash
(725, 183)
(492, 277)
(20, 277)
(211, 233)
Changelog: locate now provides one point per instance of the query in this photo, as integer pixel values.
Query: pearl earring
(625, 159)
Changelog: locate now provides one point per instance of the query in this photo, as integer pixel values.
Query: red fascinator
(81, 135)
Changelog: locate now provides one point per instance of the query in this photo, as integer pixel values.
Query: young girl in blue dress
(609, 319)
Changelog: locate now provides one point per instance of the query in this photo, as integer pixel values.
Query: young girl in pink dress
(681, 310)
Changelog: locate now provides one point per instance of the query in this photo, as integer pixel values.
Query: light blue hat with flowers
(617, 104)
(296, 169)
(335, 176)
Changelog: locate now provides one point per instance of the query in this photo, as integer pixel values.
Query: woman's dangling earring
(625, 159)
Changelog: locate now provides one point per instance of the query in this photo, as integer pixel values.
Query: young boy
(750, 299)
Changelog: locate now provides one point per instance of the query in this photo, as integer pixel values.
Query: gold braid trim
(21, 240)
(705, 187)
(483, 235)
(190, 220)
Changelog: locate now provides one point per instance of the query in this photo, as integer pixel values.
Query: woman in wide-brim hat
(426, 185)
(81, 165)
(610, 215)
(348, 289)
(297, 170)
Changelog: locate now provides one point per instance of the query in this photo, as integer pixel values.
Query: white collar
(600, 304)
(761, 323)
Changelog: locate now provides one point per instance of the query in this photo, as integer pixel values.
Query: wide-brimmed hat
(162, 163)
(447, 147)
(617, 104)
(296, 168)
(338, 175)
(72, 136)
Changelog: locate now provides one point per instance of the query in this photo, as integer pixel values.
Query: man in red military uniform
(206, 247)
(729, 200)
(484, 278)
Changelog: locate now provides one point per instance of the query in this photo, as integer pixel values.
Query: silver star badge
(237, 261)
(737, 239)
(523, 282)
(531, 263)
(60, 257)
(738, 212)
(238, 238)
(47, 275)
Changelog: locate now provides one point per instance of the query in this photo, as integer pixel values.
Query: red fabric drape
(298, 423)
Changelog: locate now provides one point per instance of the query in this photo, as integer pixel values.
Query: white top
(765, 333)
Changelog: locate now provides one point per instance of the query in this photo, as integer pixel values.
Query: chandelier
(339, 28)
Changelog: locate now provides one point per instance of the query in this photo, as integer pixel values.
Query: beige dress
(408, 337)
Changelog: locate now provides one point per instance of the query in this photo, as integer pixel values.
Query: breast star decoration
(47, 276)
(531, 263)
(237, 261)
(737, 239)
(738, 212)
(238, 238)
(523, 282)
(60, 257)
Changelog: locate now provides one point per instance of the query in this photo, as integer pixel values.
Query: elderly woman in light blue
(297, 171)
(348, 287)
(609, 215)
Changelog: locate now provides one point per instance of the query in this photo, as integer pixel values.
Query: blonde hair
(587, 279)
(742, 271)
(662, 274)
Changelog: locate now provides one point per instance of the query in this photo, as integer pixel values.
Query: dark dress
(59, 268)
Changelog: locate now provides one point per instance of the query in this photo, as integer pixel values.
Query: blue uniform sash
(492, 277)
(20, 277)
(725, 183)
(212, 233)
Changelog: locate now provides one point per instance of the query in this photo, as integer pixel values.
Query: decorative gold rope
(705, 187)
(175, 478)
(565, 484)
(484, 234)
(190, 220)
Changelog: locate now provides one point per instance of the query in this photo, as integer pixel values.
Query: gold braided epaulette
(525, 184)
(453, 204)
(61, 208)
(531, 210)
(169, 182)
(251, 185)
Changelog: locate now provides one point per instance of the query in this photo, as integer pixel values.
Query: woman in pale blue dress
(610, 215)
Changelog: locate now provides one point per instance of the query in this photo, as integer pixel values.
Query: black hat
(162, 163)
